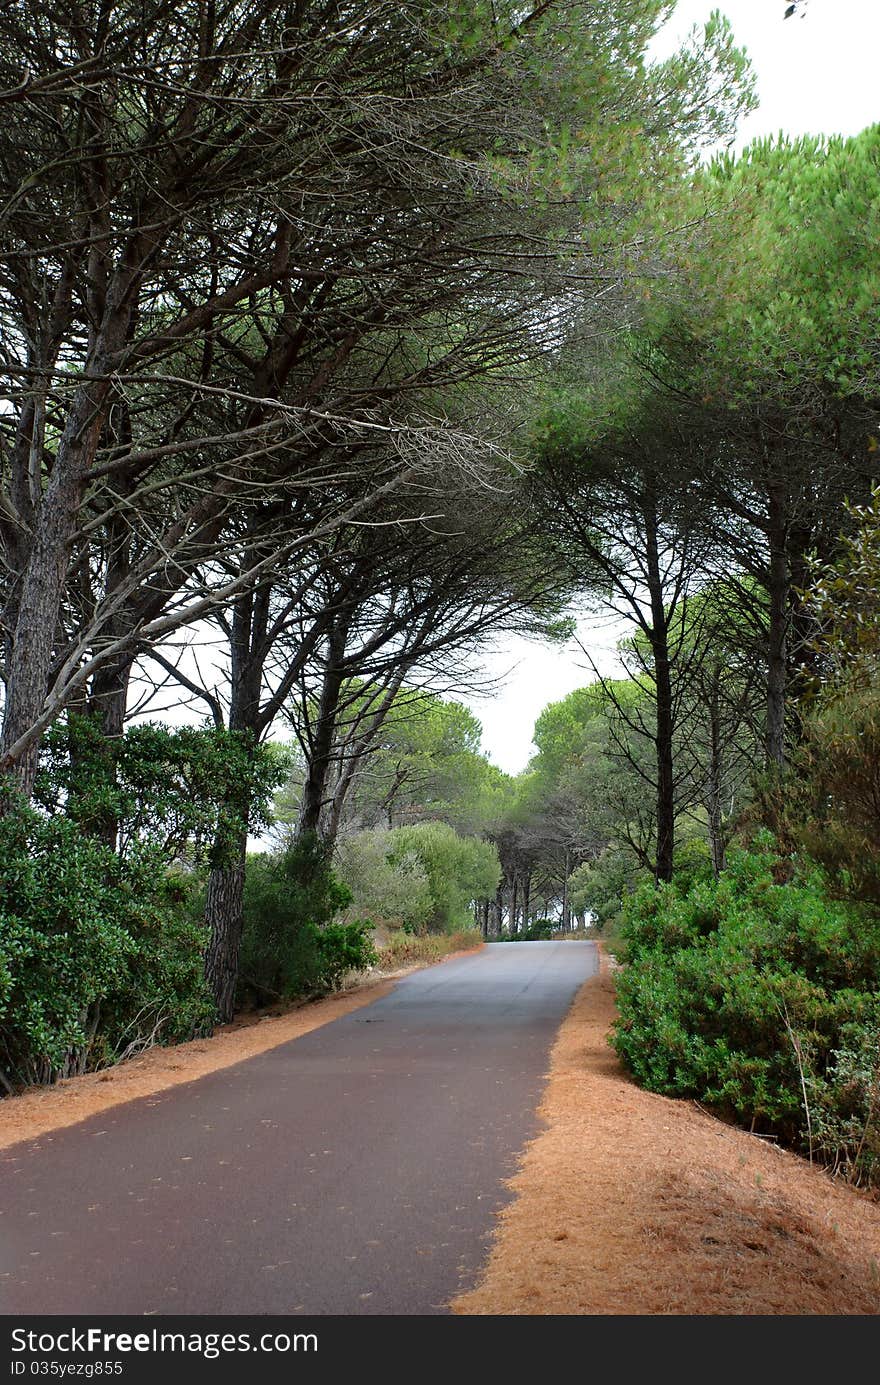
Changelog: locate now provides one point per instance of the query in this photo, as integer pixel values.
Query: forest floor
(625, 1203)
(632, 1203)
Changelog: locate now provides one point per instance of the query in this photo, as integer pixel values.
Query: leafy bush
(387, 885)
(96, 955)
(692, 862)
(290, 944)
(101, 951)
(737, 988)
(539, 930)
(459, 869)
(344, 947)
(844, 1128)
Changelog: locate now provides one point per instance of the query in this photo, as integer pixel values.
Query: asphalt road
(354, 1170)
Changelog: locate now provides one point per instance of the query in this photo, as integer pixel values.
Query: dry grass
(404, 949)
(631, 1203)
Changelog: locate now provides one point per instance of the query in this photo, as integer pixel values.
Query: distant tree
(460, 870)
(388, 886)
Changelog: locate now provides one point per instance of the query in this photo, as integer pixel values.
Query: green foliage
(167, 787)
(539, 930)
(844, 1128)
(342, 948)
(827, 806)
(422, 762)
(291, 946)
(600, 886)
(833, 811)
(734, 987)
(799, 300)
(844, 598)
(388, 886)
(101, 948)
(459, 869)
(692, 862)
(97, 956)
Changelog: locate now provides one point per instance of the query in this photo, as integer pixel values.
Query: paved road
(354, 1170)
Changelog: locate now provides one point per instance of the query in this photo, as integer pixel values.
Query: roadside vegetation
(447, 327)
(276, 286)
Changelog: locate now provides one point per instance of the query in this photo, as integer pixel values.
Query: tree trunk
(714, 811)
(38, 595)
(659, 639)
(777, 651)
(225, 892)
(514, 892)
(527, 887)
(223, 917)
(108, 702)
(320, 757)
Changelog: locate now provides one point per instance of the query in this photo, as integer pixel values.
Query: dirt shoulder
(631, 1203)
(41, 1109)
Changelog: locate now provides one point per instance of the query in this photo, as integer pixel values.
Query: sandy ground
(631, 1203)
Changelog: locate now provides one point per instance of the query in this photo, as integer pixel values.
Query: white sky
(817, 73)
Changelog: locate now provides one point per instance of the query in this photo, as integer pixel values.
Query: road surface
(355, 1170)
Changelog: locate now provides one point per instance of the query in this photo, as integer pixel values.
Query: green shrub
(162, 997)
(388, 885)
(733, 989)
(291, 945)
(692, 862)
(458, 869)
(844, 1128)
(344, 947)
(539, 930)
(96, 954)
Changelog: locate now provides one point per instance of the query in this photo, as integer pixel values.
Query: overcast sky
(817, 73)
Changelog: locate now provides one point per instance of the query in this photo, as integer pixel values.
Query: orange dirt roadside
(632, 1203)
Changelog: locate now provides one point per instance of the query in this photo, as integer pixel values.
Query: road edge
(39, 1111)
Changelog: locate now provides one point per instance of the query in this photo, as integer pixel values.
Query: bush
(163, 997)
(844, 1129)
(404, 949)
(692, 862)
(459, 869)
(290, 944)
(734, 988)
(540, 930)
(97, 956)
(387, 885)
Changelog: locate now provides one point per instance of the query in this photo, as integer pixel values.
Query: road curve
(355, 1170)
